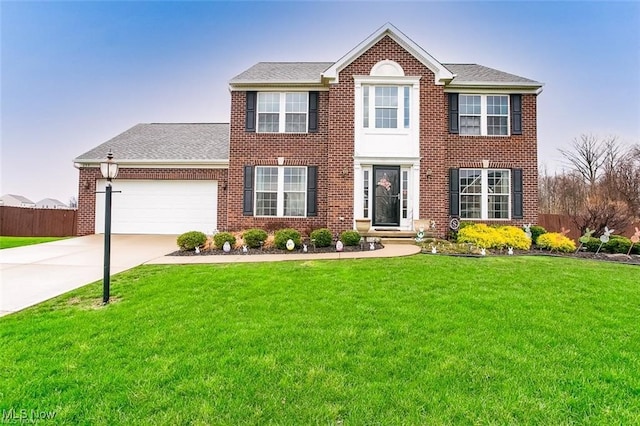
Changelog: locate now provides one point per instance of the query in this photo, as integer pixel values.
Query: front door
(386, 197)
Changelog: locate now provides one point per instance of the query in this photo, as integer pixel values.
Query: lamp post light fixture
(109, 170)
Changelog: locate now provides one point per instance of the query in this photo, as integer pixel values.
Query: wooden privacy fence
(30, 222)
(555, 223)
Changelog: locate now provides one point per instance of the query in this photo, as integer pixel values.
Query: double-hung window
(283, 112)
(386, 107)
(485, 115)
(485, 194)
(280, 191)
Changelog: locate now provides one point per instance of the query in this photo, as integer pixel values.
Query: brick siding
(331, 149)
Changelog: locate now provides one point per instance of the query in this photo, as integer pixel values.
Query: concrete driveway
(33, 274)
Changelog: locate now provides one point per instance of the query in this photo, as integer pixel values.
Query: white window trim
(280, 193)
(484, 195)
(414, 103)
(282, 114)
(484, 115)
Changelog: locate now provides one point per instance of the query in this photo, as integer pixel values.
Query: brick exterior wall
(251, 149)
(331, 149)
(90, 175)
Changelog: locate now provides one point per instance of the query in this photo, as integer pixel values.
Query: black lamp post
(109, 170)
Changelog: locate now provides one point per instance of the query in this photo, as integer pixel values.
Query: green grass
(10, 242)
(418, 340)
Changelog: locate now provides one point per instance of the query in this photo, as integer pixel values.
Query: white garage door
(159, 206)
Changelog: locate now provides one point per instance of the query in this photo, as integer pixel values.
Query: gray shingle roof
(20, 198)
(310, 72)
(282, 72)
(166, 142)
(467, 73)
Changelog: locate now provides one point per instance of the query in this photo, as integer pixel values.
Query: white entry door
(159, 206)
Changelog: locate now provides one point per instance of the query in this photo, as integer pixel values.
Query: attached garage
(159, 206)
(169, 179)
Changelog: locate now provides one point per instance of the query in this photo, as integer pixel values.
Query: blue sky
(75, 74)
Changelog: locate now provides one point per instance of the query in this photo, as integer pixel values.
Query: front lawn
(10, 242)
(418, 340)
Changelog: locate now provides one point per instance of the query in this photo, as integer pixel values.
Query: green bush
(254, 237)
(222, 237)
(494, 237)
(556, 241)
(190, 240)
(617, 244)
(592, 245)
(284, 235)
(350, 238)
(536, 231)
(322, 237)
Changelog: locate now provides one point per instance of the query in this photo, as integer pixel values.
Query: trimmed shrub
(350, 238)
(253, 237)
(283, 235)
(515, 237)
(556, 241)
(499, 237)
(222, 237)
(592, 245)
(190, 240)
(536, 231)
(617, 244)
(322, 237)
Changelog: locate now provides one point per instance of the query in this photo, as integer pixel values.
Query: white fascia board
(187, 164)
(485, 87)
(289, 85)
(442, 74)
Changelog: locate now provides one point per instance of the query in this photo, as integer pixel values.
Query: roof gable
(442, 74)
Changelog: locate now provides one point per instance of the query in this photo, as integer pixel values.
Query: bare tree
(588, 155)
(602, 187)
(73, 202)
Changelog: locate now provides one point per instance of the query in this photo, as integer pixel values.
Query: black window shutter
(517, 207)
(453, 113)
(313, 112)
(250, 118)
(454, 192)
(516, 114)
(312, 191)
(247, 193)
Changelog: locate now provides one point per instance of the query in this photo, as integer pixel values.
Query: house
(13, 200)
(386, 133)
(51, 203)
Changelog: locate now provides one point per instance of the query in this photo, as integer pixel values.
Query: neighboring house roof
(12, 199)
(50, 203)
(473, 74)
(173, 143)
(282, 72)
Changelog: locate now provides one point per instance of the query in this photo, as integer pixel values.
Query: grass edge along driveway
(11, 242)
(417, 340)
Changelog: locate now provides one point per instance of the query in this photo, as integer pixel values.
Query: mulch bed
(273, 250)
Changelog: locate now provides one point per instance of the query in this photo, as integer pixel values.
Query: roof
(282, 72)
(19, 198)
(442, 74)
(50, 202)
(473, 73)
(165, 142)
(301, 73)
